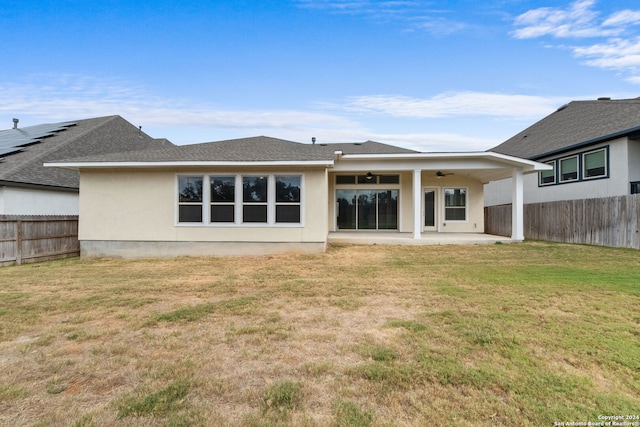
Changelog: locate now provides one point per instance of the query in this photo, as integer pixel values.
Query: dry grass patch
(525, 334)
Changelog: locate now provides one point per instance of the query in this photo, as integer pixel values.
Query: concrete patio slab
(395, 238)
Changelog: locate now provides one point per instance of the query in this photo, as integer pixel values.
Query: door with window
(430, 209)
(367, 209)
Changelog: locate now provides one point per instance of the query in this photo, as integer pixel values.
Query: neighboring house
(264, 195)
(593, 148)
(28, 188)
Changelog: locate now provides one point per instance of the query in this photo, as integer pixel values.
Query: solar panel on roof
(11, 140)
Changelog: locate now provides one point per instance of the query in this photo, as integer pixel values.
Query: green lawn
(513, 334)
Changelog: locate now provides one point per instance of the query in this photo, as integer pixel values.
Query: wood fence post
(18, 242)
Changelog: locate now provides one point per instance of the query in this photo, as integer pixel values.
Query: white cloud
(622, 18)
(579, 20)
(46, 99)
(435, 142)
(415, 15)
(620, 50)
(618, 54)
(455, 104)
(75, 97)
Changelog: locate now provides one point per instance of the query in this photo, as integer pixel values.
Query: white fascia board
(78, 165)
(527, 166)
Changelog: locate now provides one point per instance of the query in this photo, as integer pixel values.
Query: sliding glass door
(367, 209)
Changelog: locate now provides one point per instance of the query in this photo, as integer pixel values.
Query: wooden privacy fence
(37, 238)
(610, 221)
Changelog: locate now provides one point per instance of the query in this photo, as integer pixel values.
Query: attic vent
(604, 98)
(562, 107)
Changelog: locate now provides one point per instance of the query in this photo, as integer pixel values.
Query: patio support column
(417, 198)
(517, 205)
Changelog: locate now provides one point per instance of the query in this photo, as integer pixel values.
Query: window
(569, 169)
(584, 166)
(223, 196)
(455, 204)
(595, 164)
(190, 199)
(234, 200)
(548, 177)
(345, 179)
(635, 187)
(254, 198)
(369, 178)
(288, 199)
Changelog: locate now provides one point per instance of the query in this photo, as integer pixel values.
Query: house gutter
(37, 186)
(78, 165)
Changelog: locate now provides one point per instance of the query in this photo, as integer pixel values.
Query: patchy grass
(525, 334)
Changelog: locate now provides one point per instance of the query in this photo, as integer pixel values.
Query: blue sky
(428, 75)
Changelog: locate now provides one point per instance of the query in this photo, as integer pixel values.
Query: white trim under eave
(531, 165)
(78, 165)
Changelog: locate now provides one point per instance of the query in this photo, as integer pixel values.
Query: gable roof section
(245, 150)
(96, 136)
(577, 124)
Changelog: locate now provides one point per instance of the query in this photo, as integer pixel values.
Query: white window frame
(575, 156)
(202, 203)
(238, 202)
(552, 163)
(276, 203)
(584, 164)
(466, 205)
(216, 203)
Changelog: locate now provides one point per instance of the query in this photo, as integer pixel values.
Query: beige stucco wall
(475, 202)
(140, 205)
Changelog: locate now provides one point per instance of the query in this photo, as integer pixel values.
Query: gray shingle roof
(579, 123)
(14, 140)
(90, 136)
(254, 149)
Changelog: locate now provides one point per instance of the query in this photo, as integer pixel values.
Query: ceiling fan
(441, 174)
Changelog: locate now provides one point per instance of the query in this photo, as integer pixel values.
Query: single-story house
(593, 148)
(265, 195)
(28, 188)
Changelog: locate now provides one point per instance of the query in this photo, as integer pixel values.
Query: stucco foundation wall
(137, 249)
(140, 206)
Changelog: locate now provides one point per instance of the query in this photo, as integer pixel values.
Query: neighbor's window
(190, 199)
(635, 187)
(595, 164)
(569, 169)
(223, 197)
(288, 199)
(548, 177)
(455, 204)
(254, 198)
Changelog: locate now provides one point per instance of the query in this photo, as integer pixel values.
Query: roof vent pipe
(15, 123)
(313, 139)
